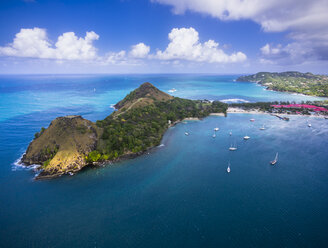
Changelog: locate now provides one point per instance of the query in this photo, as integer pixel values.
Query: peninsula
(291, 81)
(71, 143)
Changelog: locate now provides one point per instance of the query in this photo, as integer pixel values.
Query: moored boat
(233, 148)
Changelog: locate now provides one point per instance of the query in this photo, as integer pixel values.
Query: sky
(163, 36)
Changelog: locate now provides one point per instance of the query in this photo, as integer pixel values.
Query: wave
(18, 165)
(161, 145)
(233, 100)
(112, 106)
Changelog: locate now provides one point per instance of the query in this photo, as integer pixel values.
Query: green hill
(291, 81)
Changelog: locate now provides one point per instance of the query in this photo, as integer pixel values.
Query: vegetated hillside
(132, 130)
(143, 116)
(291, 81)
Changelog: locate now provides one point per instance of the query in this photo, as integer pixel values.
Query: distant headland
(71, 143)
(291, 81)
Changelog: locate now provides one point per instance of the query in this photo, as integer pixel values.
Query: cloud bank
(272, 15)
(184, 45)
(305, 21)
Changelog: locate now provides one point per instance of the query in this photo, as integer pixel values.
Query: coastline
(45, 176)
(233, 110)
(266, 87)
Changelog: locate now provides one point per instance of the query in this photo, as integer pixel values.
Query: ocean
(177, 195)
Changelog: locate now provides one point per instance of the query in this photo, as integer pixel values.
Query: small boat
(228, 169)
(246, 137)
(172, 90)
(252, 120)
(216, 129)
(309, 125)
(230, 133)
(262, 128)
(186, 133)
(233, 148)
(214, 135)
(273, 162)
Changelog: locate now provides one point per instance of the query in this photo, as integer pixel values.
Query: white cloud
(184, 45)
(34, 43)
(69, 46)
(115, 58)
(270, 50)
(139, 50)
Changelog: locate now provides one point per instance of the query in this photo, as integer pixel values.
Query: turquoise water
(178, 195)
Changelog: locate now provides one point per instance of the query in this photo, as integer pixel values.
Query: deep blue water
(180, 194)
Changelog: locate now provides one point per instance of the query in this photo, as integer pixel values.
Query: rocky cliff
(63, 146)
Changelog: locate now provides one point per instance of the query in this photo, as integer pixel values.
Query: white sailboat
(246, 137)
(228, 169)
(216, 129)
(186, 133)
(273, 162)
(262, 128)
(233, 148)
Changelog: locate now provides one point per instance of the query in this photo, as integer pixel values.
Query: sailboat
(216, 129)
(262, 128)
(246, 137)
(228, 169)
(186, 133)
(273, 162)
(309, 125)
(233, 148)
(214, 135)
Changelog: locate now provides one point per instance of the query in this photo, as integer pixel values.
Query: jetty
(281, 117)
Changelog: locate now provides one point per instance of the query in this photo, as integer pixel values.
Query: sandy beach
(217, 114)
(243, 111)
